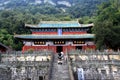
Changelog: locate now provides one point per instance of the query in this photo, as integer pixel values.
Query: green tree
(6, 38)
(107, 26)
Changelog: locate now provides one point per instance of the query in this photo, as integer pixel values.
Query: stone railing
(51, 67)
(69, 67)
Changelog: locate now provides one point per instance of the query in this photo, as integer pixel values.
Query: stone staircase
(60, 71)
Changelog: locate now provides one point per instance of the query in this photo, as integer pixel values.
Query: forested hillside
(75, 8)
(107, 25)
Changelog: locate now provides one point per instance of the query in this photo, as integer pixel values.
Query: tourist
(65, 58)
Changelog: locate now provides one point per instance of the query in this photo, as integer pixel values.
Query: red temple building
(4, 48)
(58, 36)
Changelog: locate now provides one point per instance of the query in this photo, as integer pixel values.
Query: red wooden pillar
(65, 48)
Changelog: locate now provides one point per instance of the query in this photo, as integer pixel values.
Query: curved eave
(4, 46)
(83, 36)
(30, 26)
(43, 25)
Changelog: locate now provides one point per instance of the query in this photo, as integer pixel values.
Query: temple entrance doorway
(40, 77)
(79, 47)
(59, 49)
(28, 79)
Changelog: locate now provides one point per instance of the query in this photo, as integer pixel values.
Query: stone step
(60, 72)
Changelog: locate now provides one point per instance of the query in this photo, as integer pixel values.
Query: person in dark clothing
(59, 54)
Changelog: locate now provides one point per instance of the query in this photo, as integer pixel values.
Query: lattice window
(79, 42)
(39, 42)
(59, 42)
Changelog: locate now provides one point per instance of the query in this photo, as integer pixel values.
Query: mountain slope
(63, 3)
(76, 8)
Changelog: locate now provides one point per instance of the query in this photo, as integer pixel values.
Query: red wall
(45, 33)
(53, 48)
(93, 47)
(68, 48)
(66, 33)
(27, 48)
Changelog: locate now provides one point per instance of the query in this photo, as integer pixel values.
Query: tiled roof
(58, 24)
(82, 36)
(4, 46)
